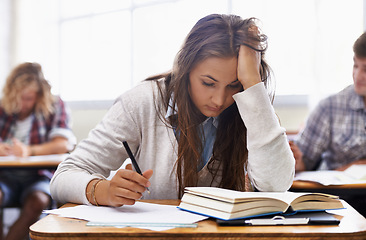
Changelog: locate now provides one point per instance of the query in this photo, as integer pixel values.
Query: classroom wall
(291, 118)
(85, 120)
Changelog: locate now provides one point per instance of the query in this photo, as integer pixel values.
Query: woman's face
(213, 82)
(28, 99)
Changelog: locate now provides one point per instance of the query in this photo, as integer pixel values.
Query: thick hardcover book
(229, 204)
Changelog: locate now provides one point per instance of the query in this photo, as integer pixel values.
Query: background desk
(49, 162)
(352, 226)
(45, 161)
(354, 194)
(346, 189)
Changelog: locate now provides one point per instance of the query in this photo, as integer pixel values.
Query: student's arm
(270, 160)
(99, 154)
(271, 164)
(315, 139)
(299, 166)
(55, 146)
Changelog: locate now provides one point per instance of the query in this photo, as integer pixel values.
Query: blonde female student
(32, 122)
(207, 122)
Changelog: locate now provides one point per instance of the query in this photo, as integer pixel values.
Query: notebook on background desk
(355, 174)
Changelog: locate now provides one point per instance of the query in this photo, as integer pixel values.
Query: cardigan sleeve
(97, 155)
(271, 164)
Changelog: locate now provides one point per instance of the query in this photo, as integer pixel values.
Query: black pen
(133, 160)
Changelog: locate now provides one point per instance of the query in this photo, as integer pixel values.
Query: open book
(229, 204)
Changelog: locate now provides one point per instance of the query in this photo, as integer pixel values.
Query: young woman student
(207, 122)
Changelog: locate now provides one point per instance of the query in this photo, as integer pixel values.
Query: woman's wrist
(31, 151)
(89, 188)
(250, 83)
(93, 190)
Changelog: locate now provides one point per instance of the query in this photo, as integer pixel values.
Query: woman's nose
(219, 98)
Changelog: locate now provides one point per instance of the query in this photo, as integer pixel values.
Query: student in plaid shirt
(32, 122)
(334, 137)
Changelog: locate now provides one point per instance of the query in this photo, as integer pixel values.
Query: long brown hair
(23, 75)
(213, 36)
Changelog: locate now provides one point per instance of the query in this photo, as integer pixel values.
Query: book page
(237, 196)
(232, 207)
(229, 204)
(323, 177)
(356, 173)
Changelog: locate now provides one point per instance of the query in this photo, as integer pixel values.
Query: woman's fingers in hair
(253, 29)
(248, 66)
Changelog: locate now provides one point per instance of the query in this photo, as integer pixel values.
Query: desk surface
(352, 226)
(314, 185)
(350, 178)
(355, 189)
(45, 161)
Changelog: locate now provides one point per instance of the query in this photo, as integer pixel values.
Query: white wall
(292, 118)
(5, 38)
(85, 120)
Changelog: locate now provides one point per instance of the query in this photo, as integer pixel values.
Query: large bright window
(97, 49)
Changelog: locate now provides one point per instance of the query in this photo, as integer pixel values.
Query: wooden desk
(346, 189)
(35, 162)
(352, 226)
(45, 161)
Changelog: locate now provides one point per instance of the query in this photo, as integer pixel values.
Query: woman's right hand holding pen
(124, 188)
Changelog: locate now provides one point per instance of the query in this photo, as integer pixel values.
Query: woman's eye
(208, 84)
(235, 86)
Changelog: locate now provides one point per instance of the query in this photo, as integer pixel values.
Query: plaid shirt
(43, 129)
(335, 132)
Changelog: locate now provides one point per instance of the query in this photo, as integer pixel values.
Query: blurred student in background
(32, 122)
(334, 137)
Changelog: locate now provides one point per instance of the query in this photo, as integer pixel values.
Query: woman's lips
(214, 109)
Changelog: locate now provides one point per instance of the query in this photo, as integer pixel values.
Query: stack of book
(229, 204)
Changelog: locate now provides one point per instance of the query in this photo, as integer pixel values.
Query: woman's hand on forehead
(248, 66)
